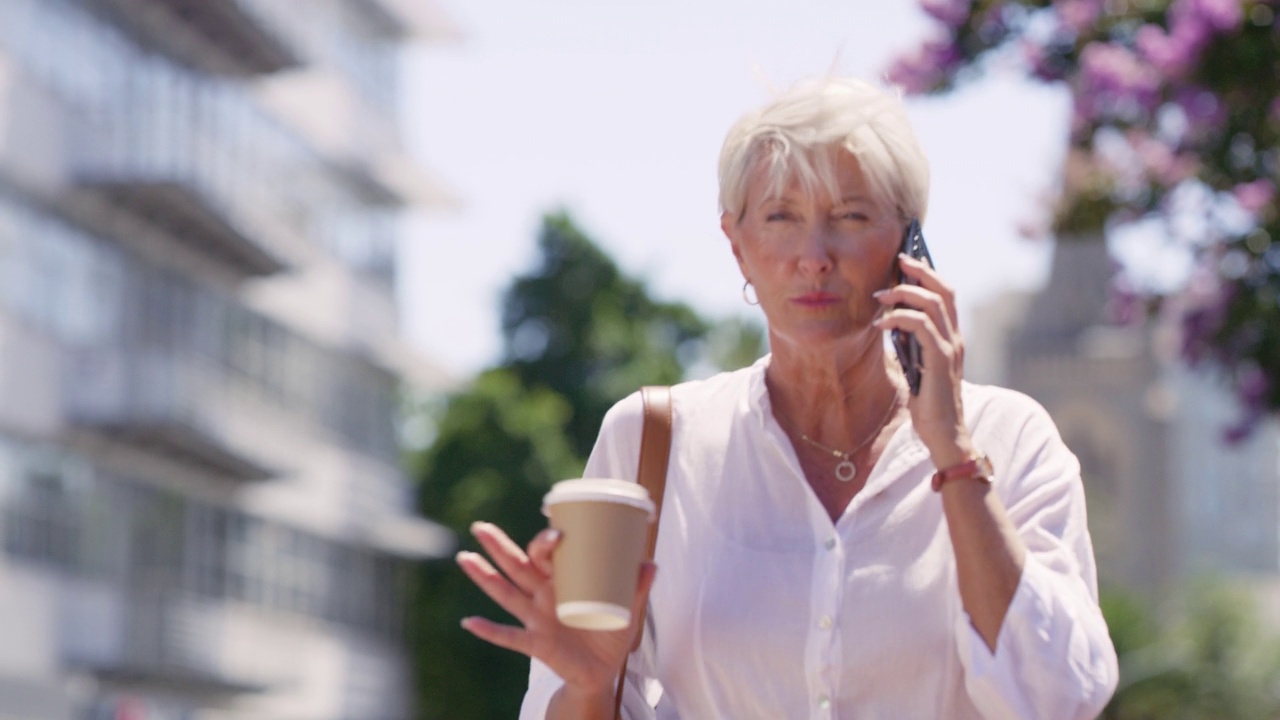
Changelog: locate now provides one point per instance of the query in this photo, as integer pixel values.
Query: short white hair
(795, 136)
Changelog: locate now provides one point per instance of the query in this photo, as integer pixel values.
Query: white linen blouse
(764, 608)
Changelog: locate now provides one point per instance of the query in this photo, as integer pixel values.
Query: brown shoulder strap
(655, 453)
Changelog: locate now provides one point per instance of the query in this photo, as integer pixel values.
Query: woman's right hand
(587, 660)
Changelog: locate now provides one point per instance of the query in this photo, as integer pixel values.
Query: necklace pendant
(845, 470)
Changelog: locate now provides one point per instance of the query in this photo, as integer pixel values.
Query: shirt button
(824, 702)
(830, 543)
(825, 623)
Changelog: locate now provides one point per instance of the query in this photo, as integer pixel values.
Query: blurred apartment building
(1168, 499)
(202, 506)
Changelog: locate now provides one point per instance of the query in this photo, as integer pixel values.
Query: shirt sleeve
(1053, 657)
(616, 455)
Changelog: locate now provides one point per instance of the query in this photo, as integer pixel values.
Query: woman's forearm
(989, 554)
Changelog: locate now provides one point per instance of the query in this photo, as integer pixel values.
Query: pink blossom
(1113, 79)
(1219, 15)
(1254, 196)
(923, 71)
(1204, 112)
(1160, 162)
(1082, 117)
(1172, 57)
(1192, 25)
(1078, 15)
(951, 13)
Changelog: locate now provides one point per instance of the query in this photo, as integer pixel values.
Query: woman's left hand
(930, 314)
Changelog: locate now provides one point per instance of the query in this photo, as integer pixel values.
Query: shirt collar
(904, 451)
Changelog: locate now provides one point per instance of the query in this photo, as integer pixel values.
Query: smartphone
(904, 342)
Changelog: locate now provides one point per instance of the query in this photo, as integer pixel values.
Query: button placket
(831, 561)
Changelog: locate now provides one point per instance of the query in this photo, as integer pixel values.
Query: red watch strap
(978, 468)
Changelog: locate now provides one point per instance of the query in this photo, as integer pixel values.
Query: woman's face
(815, 260)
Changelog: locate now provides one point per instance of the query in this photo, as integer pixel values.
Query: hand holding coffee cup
(521, 581)
(605, 529)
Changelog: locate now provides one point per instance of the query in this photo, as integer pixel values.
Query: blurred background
(293, 291)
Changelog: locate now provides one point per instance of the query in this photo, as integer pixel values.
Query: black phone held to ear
(909, 354)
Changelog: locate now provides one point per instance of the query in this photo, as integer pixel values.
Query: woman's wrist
(954, 452)
(578, 703)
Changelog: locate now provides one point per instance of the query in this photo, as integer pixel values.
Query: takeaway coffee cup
(605, 527)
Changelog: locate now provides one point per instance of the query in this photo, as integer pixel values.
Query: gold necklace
(845, 469)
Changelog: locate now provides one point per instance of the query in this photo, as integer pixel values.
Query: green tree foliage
(1212, 661)
(577, 326)
(579, 336)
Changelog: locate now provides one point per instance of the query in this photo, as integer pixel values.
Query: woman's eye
(777, 216)
(853, 215)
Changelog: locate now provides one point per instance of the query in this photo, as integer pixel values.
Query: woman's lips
(816, 299)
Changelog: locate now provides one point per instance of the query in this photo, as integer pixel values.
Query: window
(59, 511)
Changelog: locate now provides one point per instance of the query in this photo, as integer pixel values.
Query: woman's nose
(815, 251)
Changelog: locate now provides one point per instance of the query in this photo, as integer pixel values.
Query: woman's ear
(729, 227)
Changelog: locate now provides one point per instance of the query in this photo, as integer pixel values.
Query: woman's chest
(758, 583)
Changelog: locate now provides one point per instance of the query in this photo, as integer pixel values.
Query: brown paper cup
(605, 526)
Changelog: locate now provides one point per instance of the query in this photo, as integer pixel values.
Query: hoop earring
(747, 299)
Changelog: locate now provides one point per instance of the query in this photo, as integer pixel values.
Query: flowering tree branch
(1175, 114)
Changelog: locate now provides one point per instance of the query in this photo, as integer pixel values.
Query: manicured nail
(879, 294)
(552, 535)
(465, 623)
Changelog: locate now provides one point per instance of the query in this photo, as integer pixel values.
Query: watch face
(984, 468)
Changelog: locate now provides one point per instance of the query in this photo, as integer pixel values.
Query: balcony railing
(195, 161)
(220, 36)
(161, 402)
(156, 637)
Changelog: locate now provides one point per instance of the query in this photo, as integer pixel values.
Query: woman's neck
(836, 395)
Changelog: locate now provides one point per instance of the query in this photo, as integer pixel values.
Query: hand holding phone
(909, 353)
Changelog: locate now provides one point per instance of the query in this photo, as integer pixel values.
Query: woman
(832, 545)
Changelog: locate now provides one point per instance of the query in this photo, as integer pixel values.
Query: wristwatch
(978, 468)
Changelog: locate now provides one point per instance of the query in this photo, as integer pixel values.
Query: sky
(616, 112)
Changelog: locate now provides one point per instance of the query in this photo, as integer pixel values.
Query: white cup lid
(599, 489)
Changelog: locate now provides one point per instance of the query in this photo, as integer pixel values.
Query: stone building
(1168, 500)
(202, 505)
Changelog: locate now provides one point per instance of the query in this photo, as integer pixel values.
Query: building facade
(1168, 499)
(202, 505)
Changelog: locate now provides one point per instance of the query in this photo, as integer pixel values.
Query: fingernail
(879, 294)
(465, 623)
(462, 555)
(552, 535)
(477, 526)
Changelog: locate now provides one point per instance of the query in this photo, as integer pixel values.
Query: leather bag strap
(655, 453)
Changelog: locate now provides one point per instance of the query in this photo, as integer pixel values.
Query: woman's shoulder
(993, 404)
(1007, 421)
(723, 391)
